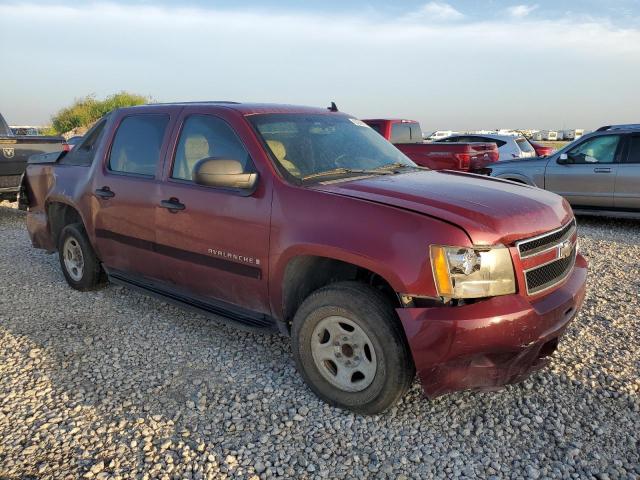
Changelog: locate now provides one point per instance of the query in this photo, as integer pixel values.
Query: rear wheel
(80, 266)
(349, 347)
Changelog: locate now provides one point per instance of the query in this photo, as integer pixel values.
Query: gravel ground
(113, 384)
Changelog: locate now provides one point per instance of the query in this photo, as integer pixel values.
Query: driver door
(587, 179)
(216, 243)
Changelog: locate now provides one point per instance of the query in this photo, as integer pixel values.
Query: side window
(634, 150)
(376, 126)
(84, 152)
(400, 133)
(499, 143)
(596, 150)
(136, 146)
(206, 136)
(416, 133)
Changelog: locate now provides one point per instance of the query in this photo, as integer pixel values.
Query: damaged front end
(491, 342)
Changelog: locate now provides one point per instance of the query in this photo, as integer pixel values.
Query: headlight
(462, 272)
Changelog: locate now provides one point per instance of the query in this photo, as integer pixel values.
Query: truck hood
(491, 211)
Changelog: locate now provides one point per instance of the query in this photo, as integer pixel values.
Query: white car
(509, 146)
(438, 134)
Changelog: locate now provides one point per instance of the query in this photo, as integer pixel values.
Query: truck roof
(402, 120)
(243, 108)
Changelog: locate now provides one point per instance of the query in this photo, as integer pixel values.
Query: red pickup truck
(307, 222)
(406, 135)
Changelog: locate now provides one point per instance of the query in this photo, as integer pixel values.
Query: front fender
(388, 241)
(515, 177)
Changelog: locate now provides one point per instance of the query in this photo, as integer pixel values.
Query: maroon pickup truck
(307, 222)
(406, 135)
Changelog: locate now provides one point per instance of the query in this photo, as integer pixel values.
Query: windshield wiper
(395, 165)
(342, 170)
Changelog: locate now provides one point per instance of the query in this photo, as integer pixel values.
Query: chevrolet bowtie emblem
(564, 249)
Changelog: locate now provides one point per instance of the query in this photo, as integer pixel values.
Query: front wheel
(80, 266)
(349, 347)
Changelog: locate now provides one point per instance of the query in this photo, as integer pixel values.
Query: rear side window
(416, 133)
(136, 146)
(85, 151)
(524, 145)
(376, 126)
(206, 136)
(634, 150)
(401, 133)
(499, 143)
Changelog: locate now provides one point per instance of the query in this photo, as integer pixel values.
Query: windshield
(316, 146)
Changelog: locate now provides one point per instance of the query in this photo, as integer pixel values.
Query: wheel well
(517, 180)
(60, 215)
(306, 274)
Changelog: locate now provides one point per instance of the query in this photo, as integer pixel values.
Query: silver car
(509, 146)
(598, 174)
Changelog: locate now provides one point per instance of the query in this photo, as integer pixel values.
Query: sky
(455, 65)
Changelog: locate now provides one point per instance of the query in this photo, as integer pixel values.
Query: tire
(363, 373)
(80, 266)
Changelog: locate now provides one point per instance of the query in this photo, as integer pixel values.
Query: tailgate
(482, 154)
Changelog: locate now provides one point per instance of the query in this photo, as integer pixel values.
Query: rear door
(216, 246)
(589, 179)
(627, 189)
(126, 190)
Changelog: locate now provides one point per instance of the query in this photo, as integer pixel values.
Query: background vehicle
(509, 146)
(24, 130)
(307, 222)
(542, 150)
(549, 135)
(439, 134)
(14, 152)
(75, 140)
(406, 135)
(598, 174)
(572, 134)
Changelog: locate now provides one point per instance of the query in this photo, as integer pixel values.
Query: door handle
(173, 205)
(602, 170)
(104, 192)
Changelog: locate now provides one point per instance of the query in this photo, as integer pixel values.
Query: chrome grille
(10, 181)
(546, 276)
(541, 243)
(542, 277)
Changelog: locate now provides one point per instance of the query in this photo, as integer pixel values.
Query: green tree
(85, 111)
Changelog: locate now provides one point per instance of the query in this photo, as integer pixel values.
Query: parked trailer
(573, 134)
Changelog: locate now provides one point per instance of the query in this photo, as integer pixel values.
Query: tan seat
(280, 153)
(196, 147)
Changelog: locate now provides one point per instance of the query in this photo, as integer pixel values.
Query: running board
(240, 318)
(624, 214)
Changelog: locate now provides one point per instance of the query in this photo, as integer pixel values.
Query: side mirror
(563, 159)
(222, 172)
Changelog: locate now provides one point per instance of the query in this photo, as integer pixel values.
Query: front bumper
(491, 343)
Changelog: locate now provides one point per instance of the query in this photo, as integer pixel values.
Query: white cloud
(435, 11)
(371, 65)
(521, 11)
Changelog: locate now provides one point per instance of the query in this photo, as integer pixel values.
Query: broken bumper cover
(491, 343)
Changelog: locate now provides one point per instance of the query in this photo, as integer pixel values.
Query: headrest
(196, 147)
(277, 148)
